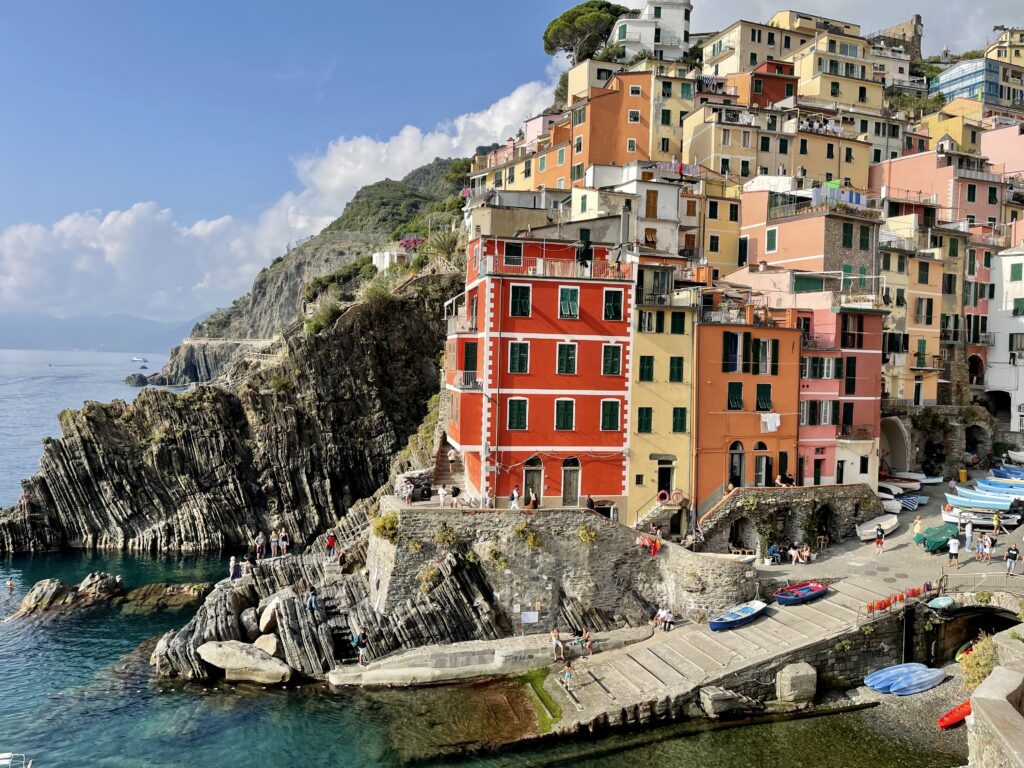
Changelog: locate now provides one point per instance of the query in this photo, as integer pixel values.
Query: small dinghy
(995, 504)
(917, 682)
(866, 531)
(979, 518)
(883, 679)
(892, 506)
(977, 493)
(917, 477)
(1010, 473)
(800, 593)
(900, 484)
(1016, 456)
(738, 616)
(965, 649)
(955, 716)
(909, 502)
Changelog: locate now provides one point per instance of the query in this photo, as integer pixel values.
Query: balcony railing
(461, 324)
(821, 341)
(826, 205)
(951, 335)
(684, 298)
(468, 380)
(888, 239)
(893, 405)
(988, 339)
(856, 432)
(597, 269)
(926, 362)
(713, 316)
(910, 195)
(967, 173)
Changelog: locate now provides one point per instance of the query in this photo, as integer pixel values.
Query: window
(631, 145)
(583, 203)
(576, 172)
(612, 304)
(901, 299)
(565, 415)
(527, 169)
(678, 419)
(622, 32)
(561, 156)
(766, 144)
(847, 234)
(865, 238)
(542, 163)
(834, 88)
(1016, 273)
(876, 156)
(646, 368)
(644, 419)
(922, 272)
(567, 359)
(657, 11)
(713, 243)
(731, 358)
(954, 247)
(666, 114)
(789, 90)
(517, 413)
(753, 58)
(579, 116)
(513, 254)
(972, 193)
(901, 263)
(578, 145)
(634, 90)
(988, 259)
(735, 395)
(634, 115)
(803, 146)
(609, 415)
(849, 155)
(787, 41)
(783, 146)
(519, 357)
(666, 145)
(993, 196)
(675, 369)
(666, 89)
(678, 324)
(726, 137)
(764, 397)
(758, 85)
(520, 305)
(734, 212)
(611, 360)
(830, 150)
(712, 209)
(744, 168)
(724, 165)
(1018, 307)
(771, 240)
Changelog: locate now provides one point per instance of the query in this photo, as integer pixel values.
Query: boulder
(136, 380)
(716, 701)
(270, 645)
(46, 594)
(155, 598)
(250, 624)
(268, 618)
(244, 663)
(51, 595)
(796, 683)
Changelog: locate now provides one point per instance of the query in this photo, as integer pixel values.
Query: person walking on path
(989, 546)
(234, 569)
(588, 643)
(312, 603)
(1011, 557)
(879, 539)
(557, 647)
(968, 535)
(282, 542)
(918, 525)
(979, 548)
(442, 494)
(273, 543)
(954, 552)
(332, 542)
(513, 498)
(451, 461)
(567, 675)
(260, 542)
(997, 523)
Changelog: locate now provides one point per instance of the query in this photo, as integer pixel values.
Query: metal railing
(461, 324)
(568, 268)
(713, 316)
(468, 380)
(819, 341)
(828, 204)
(857, 431)
(910, 195)
(887, 239)
(894, 405)
(967, 173)
(684, 298)
(997, 581)
(951, 335)
(988, 339)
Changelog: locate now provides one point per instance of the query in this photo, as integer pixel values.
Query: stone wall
(995, 738)
(789, 510)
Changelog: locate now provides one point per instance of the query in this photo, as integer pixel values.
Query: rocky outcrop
(51, 596)
(294, 446)
(159, 598)
(268, 309)
(244, 663)
(136, 380)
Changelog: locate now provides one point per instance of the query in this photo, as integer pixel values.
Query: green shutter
(611, 363)
(646, 368)
(764, 397)
(610, 415)
(613, 305)
(675, 369)
(735, 396)
(567, 358)
(775, 357)
(678, 322)
(726, 363)
(835, 411)
(517, 414)
(865, 238)
(771, 240)
(659, 322)
(678, 419)
(838, 371)
(755, 361)
(847, 235)
(812, 413)
(1016, 272)
(644, 418)
(519, 357)
(564, 414)
(746, 352)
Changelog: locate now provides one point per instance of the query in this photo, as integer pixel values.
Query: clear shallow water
(35, 386)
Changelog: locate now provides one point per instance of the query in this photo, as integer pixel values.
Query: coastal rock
(270, 645)
(244, 663)
(136, 380)
(54, 595)
(716, 701)
(155, 598)
(250, 624)
(268, 618)
(796, 683)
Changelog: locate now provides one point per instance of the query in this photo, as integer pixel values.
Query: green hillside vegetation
(340, 281)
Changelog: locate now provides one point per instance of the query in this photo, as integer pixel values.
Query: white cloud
(144, 261)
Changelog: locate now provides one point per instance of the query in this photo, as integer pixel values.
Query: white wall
(1001, 375)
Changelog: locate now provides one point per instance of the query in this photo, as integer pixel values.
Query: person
(659, 618)
(273, 542)
(259, 542)
(968, 535)
(805, 553)
(282, 541)
(954, 552)
(669, 622)
(989, 546)
(312, 603)
(10, 583)
(657, 531)
(359, 641)
(531, 499)
(567, 674)
(407, 491)
(557, 648)
(455, 495)
(343, 559)
(997, 521)
(979, 549)
(794, 554)
(590, 503)
(234, 569)
(513, 498)
(780, 481)
(451, 461)
(588, 643)
(952, 485)
(331, 543)
(246, 565)
(1011, 556)
(879, 539)
(773, 553)
(442, 494)
(918, 525)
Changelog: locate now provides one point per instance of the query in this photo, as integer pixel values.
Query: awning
(662, 457)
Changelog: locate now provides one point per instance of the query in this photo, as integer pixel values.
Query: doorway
(571, 482)
(666, 474)
(840, 472)
(533, 478)
(819, 466)
(736, 462)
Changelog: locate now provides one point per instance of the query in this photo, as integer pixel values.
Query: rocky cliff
(303, 437)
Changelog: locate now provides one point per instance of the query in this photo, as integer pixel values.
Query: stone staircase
(672, 664)
(442, 475)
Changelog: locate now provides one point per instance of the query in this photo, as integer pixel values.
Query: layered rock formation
(292, 447)
(51, 596)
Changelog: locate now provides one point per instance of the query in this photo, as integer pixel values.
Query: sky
(155, 156)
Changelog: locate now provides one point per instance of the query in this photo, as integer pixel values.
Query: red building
(537, 365)
(768, 83)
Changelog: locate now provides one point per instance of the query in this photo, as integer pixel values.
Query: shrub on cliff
(325, 317)
(527, 535)
(446, 538)
(979, 663)
(386, 527)
(430, 577)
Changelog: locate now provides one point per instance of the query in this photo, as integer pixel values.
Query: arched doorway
(1000, 405)
(762, 466)
(893, 445)
(743, 534)
(533, 478)
(976, 371)
(571, 472)
(736, 464)
(977, 441)
(825, 522)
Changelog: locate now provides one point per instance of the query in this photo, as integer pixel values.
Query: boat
(738, 616)
(964, 650)
(919, 477)
(909, 502)
(1002, 482)
(1008, 474)
(1010, 469)
(975, 493)
(941, 603)
(800, 593)
(955, 716)
(936, 538)
(866, 531)
(883, 679)
(902, 485)
(892, 506)
(139, 360)
(994, 504)
(13, 760)
(1017, 456)
(922, 500)
(978, 518)
(918, 682)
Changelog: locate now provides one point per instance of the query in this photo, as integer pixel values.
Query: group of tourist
(983, 546)
(784, 480)
(582, 639)
(531, 499)
(664, 620)
(796, 552)
(279, 544)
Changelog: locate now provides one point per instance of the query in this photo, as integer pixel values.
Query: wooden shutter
(838, 371)
(659, 322)
(746, 351)
(775, 357)
(835, 411)
(726, 337)
(755, 362)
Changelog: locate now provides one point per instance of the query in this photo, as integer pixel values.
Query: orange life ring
(662, 497)
(677, 496)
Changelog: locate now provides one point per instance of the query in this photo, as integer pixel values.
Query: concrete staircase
(441, 473)
(691, 656)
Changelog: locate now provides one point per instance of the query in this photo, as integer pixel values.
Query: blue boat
(738, 616)
(1002, 482)
(988, 492)
(962, 502)
(1009, 474)
(800, 593)
(883, 679)
(916, 682)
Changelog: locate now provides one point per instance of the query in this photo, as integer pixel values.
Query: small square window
(634, 116)
(644, 420)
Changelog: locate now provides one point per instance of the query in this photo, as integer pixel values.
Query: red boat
(800, 593)
(956, 715)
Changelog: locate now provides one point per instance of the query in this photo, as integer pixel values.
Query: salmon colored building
(537, 368)
(768, 83)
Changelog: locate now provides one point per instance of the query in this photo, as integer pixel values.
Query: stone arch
(1000, 405)
(825, 522)
(743, 533)
(978, 441)
(894, 444)
(976, 370)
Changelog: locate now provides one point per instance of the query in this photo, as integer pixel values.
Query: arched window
(736, 464)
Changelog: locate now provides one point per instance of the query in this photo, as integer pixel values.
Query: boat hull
(738, 616)
(866, 531)
(884, 679)
(955, 716)
(800, 593)
(918, 682)
(994, 504)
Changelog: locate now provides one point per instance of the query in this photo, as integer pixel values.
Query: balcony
(735, 116)
(818, 341)
(736, 316)
(856, 432)
(562, 268)
(951, 335)
(987, 339)
(828, 205)
(461, 324)
(695, 255)
(926, 362)
(892, 406)
(468, 380)
(891, 240)
(683, 298)
(910, 196)
(967, 173)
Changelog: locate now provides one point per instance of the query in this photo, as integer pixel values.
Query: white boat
(897, 487)
(979, 518)
(919, 477)
(1002, 504)
(139, 360)
(982, 493)
(892, 506)
(1016, 456)
(866, 531)
(13, 760)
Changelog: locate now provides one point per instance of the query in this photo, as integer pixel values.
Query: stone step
(638, 674)
(843, 612)
(764, 631)
(820, 617)
(745, 644)
(705, 654)
(793, 625)
(667, 674)
(673, 658)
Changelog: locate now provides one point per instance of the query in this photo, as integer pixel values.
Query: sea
(77, 690)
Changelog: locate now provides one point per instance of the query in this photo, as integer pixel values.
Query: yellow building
(671, 101)
(661, 400)
(836, 68)
(963, 128)
(811, 24)
(1008, 51)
